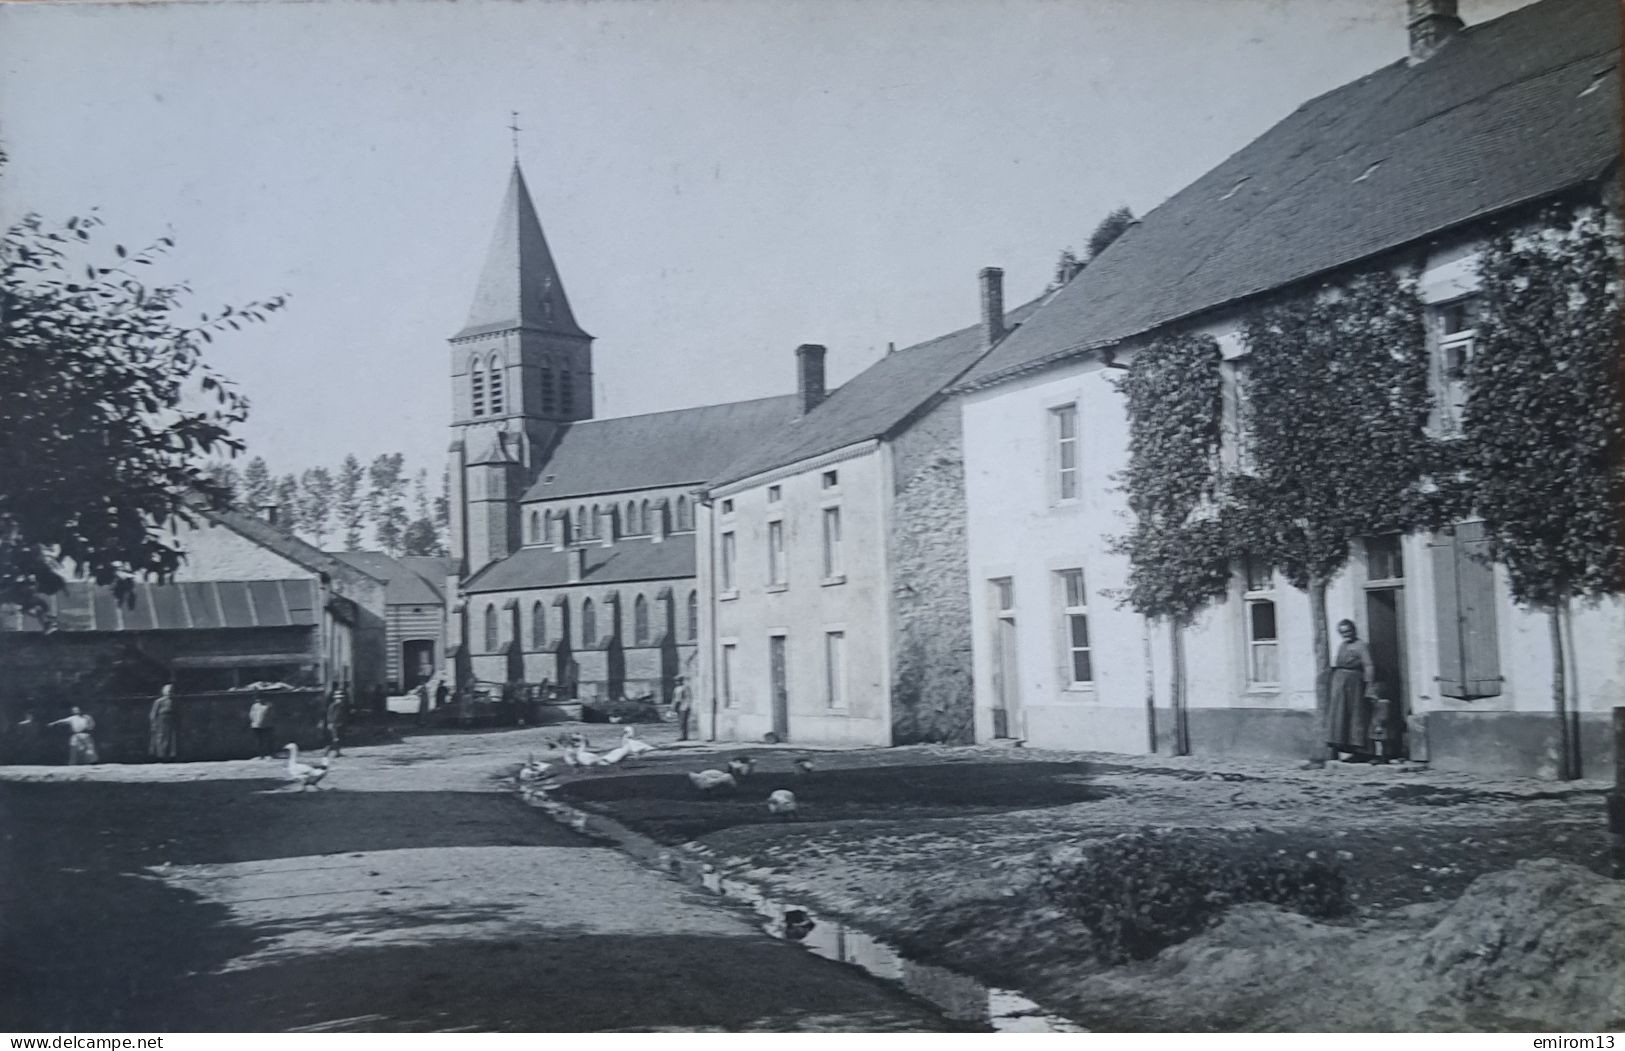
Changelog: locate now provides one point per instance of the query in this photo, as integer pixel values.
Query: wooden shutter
(1464, 601)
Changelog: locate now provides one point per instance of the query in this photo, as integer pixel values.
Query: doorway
(417, 662)
(1006, 682)
(777, 656)
(1385, 635)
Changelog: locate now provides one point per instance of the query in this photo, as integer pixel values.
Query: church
(572, 538)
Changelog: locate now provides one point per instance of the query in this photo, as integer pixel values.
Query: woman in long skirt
(81, 746)
(161, 725)
(1352, 677)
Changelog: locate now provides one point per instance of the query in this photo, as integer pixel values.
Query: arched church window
(589, 624)
(548, 400)
(567, 401)
(581, 523)
(693, 616)
(538, 626)
(597, 523)
(476, 379)
(640, 621)
(495, 384)
(643, 516)
(536, 527)
(493, 637)
(682, 513)
(632, 518)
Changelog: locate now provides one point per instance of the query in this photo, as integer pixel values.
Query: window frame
(778, 559)
(538, 625)
(1070, 613)
(494, 386)
(1450, 391)
(835, 669)
(728, 673)
(833, 551)
(640, 620)
(1265, 594)
(728, 562)
(1060, 444)
(589, 624)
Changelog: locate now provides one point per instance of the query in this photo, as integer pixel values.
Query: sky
(719, 180)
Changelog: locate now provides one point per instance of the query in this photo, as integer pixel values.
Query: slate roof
(1509, 112)
(683, 447)
(404, 585)
(520, 285)
(873, 402)
(289, 546)
(190, 606)
(629, 560)
(432, 569)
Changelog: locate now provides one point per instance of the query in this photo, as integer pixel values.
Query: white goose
(633, 744)
(304, 773)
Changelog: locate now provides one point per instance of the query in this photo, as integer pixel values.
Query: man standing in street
(336, 715)
(682, 702)
(259, 721)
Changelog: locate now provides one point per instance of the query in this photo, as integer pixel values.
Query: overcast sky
(719, 181)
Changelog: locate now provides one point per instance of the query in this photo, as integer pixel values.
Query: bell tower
(521, 368)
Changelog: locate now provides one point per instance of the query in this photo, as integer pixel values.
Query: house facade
(832, 567)
(1529, 103)
(414, 613)
(572, 538)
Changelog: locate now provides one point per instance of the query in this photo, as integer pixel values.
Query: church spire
(520, 286)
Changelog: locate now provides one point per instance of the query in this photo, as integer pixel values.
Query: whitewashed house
(1406, 167)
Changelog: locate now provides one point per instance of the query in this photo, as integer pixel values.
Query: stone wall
(932, 693)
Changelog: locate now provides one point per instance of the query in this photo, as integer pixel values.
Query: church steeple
(520, 285)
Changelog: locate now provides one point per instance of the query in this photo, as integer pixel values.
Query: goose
(711, 780)
(304, 773)
(741, 768)
(615, 755)
(584, 757)
(782, 803)
(532, 770)
(633, 744)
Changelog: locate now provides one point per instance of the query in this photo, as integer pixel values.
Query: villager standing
(441, 692)
(1352, 679)
(161, 725)
(262, 721)
(682, 702)
(81, 746)
(337, 716)
(423, 703)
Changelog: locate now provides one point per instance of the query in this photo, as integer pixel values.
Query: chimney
(657, 526)
(1432, 23)
(578, 565)
(606, 526)
(992, 305)
(810, 376)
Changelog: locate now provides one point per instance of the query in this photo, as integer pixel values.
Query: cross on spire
(513, 126)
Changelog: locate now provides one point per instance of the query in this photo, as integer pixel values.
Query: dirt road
(415, 895)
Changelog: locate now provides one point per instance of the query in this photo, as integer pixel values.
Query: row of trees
(346, 505)
(1335, 413)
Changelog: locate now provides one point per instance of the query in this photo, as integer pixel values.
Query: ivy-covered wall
(932, 696)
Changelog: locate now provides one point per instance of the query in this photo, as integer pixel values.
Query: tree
(259, 488)
(316, 504)
(289, 509)
(386, 501)
(223, 474)
(442, 508)
(1543, 423)
(352, 505)
(1179, 559)
(1337, 401)
(421, 536)
(109, 416)
(1110, 229)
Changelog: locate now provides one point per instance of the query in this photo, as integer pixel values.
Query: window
(775, 552)
(644, 521)
(729, 550)
(476, 379)
(495, 384)
(640, 621)
(693, 615)
(566, 394)
(538, 626)
(832, 542)
(589, 623)
(536, 527)
(1464, 603)
(682, 513)
(727, 507)
(1263, 667)
(1384, 559)
(1064, 442)
(493, 631)
(1075, 627)
(581, 524)
(1457, 332)
(774, 494)
(1004, 595)
(596, 523)
(831, 479)
(835, 669)
(730, 667)
(549, 401)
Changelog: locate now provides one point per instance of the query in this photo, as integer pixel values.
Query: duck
(304, 773)
(711, 780)
(633, 744)
(742, 767)
(782, 803)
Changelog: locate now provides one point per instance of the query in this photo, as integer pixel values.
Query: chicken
(712, 780)
(782, 803)
(741, 768)
(304, 773)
